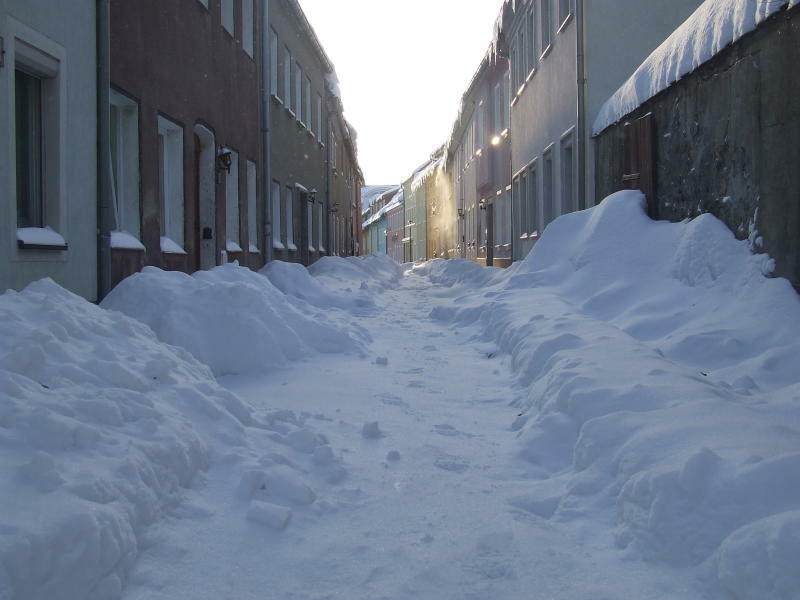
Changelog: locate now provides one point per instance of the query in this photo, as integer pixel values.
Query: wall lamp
(312, 195)
(482, 204)
(460, 213)
(224, 159)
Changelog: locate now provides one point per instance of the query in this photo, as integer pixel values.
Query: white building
(567, 58)
(48, 141)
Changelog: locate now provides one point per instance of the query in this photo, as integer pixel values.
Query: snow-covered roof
(396, 200)
(370, 193)
(714, 25)
(423, 173)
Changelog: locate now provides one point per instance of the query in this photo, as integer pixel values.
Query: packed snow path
(435, 523)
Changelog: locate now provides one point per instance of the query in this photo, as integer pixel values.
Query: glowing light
(496, 140)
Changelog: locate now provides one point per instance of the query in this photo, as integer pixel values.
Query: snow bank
(101, 428)
(456, 272)
(375, 272)
(230, 318)
(658, 380)
(714, 25)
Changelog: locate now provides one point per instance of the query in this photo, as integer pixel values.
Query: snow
(233, 247)
(370, 193)
(122, 240)
(617, 412)
(422, 174)
(168, 246)
(712, 27)
(229, 318)
(38, 236)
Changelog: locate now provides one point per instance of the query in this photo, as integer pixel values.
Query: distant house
(709, 123)
(373, 217)
(395, 226)
(48, 173)
(567, 58)
(415, 193)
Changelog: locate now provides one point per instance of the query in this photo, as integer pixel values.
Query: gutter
(106, 220)
(582, 81)
(266, 138)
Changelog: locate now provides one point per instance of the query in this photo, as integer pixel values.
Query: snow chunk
(170, 247)
(122, 240)
(273, 516)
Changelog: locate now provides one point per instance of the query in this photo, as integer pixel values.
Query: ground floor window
(252, 208)
(170, 188)
(289, 212)
(232, 205)
(277, 230)
(29, 159)
(125, 163)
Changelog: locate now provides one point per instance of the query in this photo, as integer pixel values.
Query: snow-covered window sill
(290, 111)
(40, 238)
(122, 240)
(168, 246)
(565, 23)
(291, 247)
(530, 75)
(276, 99)
(312, 249)
(278, 246)
(546, 51)
(233, 247)
(253, 249)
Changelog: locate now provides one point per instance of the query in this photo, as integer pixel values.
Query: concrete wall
(726, 142)
(66, 31)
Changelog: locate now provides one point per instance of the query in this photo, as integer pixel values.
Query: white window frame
(308, 117)
(171, 188)
(252, 208)
(273, 62)
(248, 23)
(232, 231)
(567, 185)
(532, 200)
(289, 212)
(546, 27)
(319, 118)
(548, 187)
(310, 224)
(124, 162)
(565, 12)
(287, 77)
(298, 92)
(228, 16)
(275, 200)
(320, 220)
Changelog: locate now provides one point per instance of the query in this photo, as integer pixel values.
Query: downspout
(105, 209)
(331, 249)
(266, 139)
(581, 69)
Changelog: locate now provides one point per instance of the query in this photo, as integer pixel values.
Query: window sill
(301, 125)
(290, 111)
(530, 75)
(291, 247)
(514, 101)
(49, 247)
(565, 23)
(253, 250)
(276, 99)
(278, 246)
(546, 51)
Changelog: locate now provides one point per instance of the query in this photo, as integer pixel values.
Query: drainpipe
(581, 68)
(266, 138)
(106, 221)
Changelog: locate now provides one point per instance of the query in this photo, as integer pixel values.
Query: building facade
(185, 155)
(395, 227)
(567, 58)
(48, 159)
(479, 159)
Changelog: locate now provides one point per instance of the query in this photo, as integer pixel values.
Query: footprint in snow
(454, 464)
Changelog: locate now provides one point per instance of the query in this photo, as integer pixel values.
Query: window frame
(125, 170)
(233, 233)
(228, 16)
(289, 214)
(276, 195)
(252, 207)
(171, 183)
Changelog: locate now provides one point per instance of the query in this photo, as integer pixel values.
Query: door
(639, 161)
(205, 159)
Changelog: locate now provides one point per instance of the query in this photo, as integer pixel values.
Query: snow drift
(230, 318)
(659, 381)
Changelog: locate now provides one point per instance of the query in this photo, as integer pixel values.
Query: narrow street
(437, 522)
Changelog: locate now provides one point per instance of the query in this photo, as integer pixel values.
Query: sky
(403, 66)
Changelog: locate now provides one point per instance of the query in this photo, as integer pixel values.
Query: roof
(714, 26)
(370, 193)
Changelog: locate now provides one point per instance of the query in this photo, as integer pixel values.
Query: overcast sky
(402, 65)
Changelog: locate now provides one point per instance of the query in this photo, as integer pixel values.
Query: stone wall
(727, 141)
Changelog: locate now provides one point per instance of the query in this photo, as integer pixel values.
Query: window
(522, 216)
(564, 12)
(298, 92)
(125, 163)
(522, 53)
(308, 117)
(170, 188)
(547, 24)
(287, 77)
(548, 202)
(248, 18)
(532, 49)
(532, 200)
(232, 205)
(567, 176)
(310, 224)
(289, 212)
(38, 118)
(497, 101)
(480, 126)
(275, 199)
(516, 225)
(227, 15)
(273, 63)
(514, 69)
(507, 102)
(28, 122)
(204, 3)
(319, 117)
(252, 219)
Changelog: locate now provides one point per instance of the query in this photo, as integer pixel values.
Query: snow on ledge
(233, 247)
(253, 249)
(170, 247)
(40, 236)
(122, 240)
(712, 27)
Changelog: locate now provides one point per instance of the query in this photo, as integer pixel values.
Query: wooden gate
(639, 160)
